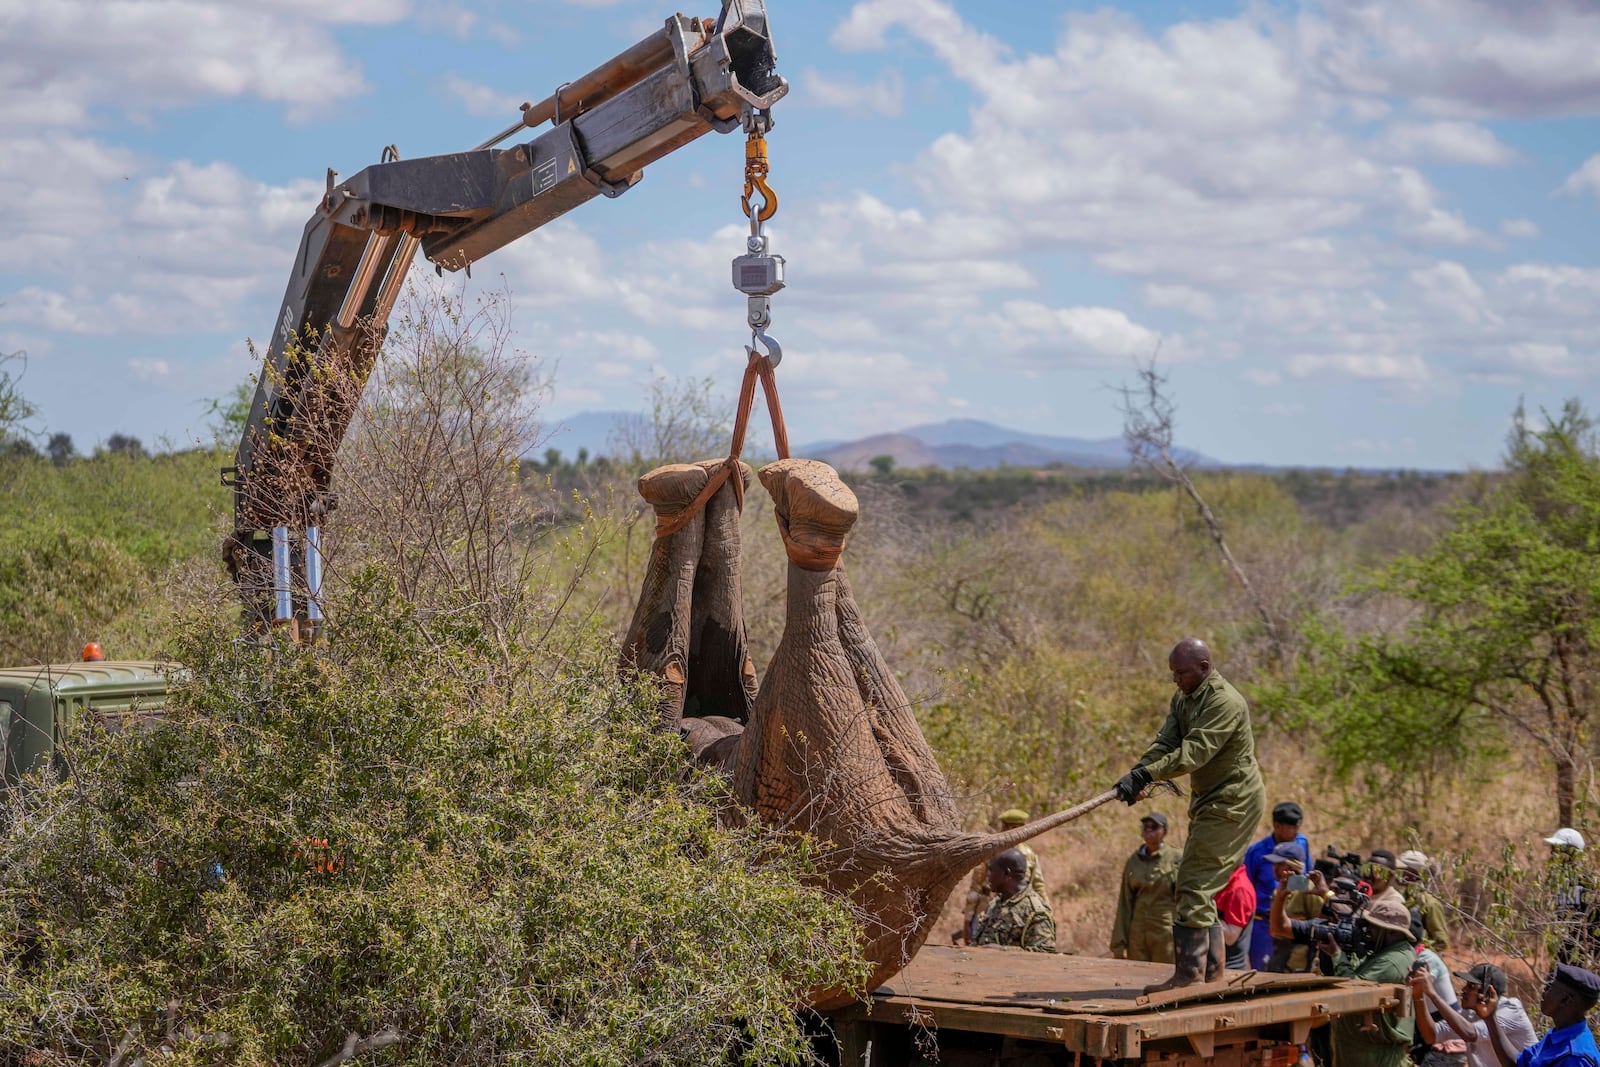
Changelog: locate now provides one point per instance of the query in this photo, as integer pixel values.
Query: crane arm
(687, 79)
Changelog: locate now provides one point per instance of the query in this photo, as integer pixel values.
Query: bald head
(1007, 872)
(1190, 662)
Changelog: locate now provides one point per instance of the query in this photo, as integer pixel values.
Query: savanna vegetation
(526, 873)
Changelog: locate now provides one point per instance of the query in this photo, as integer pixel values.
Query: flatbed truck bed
(1007, 1008)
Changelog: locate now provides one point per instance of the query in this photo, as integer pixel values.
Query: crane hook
(774, 353)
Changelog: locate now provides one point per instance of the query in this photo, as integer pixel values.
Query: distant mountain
(980, 434)
(970, 443)
(597, 431)
(976, 444)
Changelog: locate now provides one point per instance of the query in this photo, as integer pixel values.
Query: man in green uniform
(1413, 864)
(1376, 1039)
(979, 895)
(1206, 736)
(1148, 899)
(1019, 917)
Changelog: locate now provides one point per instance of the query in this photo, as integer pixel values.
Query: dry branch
(1149, 414)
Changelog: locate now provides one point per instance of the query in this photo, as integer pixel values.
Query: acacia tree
(1506, 613)
(688, 420)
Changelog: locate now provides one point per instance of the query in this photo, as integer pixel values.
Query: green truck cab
(38, 705)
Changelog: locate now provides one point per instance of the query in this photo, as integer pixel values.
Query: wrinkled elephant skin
(829, 744)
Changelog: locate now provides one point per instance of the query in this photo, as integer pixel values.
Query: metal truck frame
(1009, 1008)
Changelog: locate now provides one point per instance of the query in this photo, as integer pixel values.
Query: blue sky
(1358, 231)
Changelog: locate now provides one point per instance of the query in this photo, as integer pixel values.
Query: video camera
(1341, 918)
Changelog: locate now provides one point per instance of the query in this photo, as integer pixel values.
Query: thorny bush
(517, 869)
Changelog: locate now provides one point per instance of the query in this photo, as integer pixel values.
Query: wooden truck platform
(954, 1006)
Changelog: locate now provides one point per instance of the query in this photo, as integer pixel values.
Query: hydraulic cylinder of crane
(282, 592)
(313, 565)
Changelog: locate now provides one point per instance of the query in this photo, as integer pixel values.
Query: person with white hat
(1574, 925)
(1566, 837)
(1414, 868)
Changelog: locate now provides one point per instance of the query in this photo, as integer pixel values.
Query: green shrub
(57, 589)
(522, 869)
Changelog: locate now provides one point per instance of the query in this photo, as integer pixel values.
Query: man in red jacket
(1236, 907)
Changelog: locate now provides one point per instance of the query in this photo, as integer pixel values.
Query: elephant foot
(815, 511)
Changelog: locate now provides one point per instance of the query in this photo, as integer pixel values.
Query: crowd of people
(1224, 902)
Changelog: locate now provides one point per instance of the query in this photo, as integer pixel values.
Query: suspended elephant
(827, 743)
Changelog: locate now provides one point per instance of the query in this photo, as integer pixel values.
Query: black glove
(1130, 785)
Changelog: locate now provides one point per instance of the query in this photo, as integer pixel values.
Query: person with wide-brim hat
(1376, 1039)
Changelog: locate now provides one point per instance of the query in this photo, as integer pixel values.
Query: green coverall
(1374, 1039)
(1207, 736)
(1143, 930)
(1432, 916)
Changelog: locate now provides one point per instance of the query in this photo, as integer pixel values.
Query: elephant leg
(905, 750)
(817, 751)
(808, 758)
(657, 639)
(722, 680)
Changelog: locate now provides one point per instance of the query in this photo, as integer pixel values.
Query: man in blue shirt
(1568, 996)
(1286, 819)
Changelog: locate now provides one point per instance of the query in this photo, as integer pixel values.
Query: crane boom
(687, 79)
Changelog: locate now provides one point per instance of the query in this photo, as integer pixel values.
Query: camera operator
(1381, 950)
(1340, 906)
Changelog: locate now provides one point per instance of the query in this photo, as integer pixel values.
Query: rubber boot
(1190, 948)
(1216, 953)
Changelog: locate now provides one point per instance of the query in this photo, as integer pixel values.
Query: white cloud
(480, 99)
(1544, 358)
(851, 388)
(150, 371)
(1091, 336)
(1181, 298)
(607, 345)
(117, 249)
(1520, 228)
(1361, 367)
(883, 97)
(1586, 179)
(69, 60)
(1447, 142)
(1459, 57)
(1451, 287)
(1262, 376)
(1551, 292)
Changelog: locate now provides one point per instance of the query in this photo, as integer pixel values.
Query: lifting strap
(759, 368)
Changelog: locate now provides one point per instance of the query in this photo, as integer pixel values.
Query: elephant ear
(688, 627)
